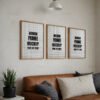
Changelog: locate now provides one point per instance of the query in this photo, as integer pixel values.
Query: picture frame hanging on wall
(31, 40)
(56, 42)
(76, 43)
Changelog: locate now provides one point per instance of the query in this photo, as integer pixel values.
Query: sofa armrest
(34, 96)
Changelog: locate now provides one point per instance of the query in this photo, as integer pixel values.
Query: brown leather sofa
(29, 91)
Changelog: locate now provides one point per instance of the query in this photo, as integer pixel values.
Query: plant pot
(9, 92)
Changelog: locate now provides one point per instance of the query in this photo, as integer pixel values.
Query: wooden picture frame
(76, 43)
(56, 42)
(31, 40)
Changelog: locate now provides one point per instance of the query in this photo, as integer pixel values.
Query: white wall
(76, 13)
(98, 35)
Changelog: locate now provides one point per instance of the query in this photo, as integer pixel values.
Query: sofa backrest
(29, 82)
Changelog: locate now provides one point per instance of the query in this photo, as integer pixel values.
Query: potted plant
(9, 78)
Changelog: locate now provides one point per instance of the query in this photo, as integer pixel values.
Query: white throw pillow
(76, 86)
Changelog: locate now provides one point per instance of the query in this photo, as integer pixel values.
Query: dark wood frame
(47, 40)
(21, 21)
(69, 44)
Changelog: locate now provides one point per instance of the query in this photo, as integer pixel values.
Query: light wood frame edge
(69, 43)
(47, 40)
(20, 43)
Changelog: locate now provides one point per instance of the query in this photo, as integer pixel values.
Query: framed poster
(76, 43)
(31, 40)
(56, 42)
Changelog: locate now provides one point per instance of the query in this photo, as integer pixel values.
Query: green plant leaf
(9, 78)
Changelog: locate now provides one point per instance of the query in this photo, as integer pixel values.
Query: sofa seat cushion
(86, 97)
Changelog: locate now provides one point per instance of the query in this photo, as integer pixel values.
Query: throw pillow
(96, 79)
(45, 88)
(76, 86)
